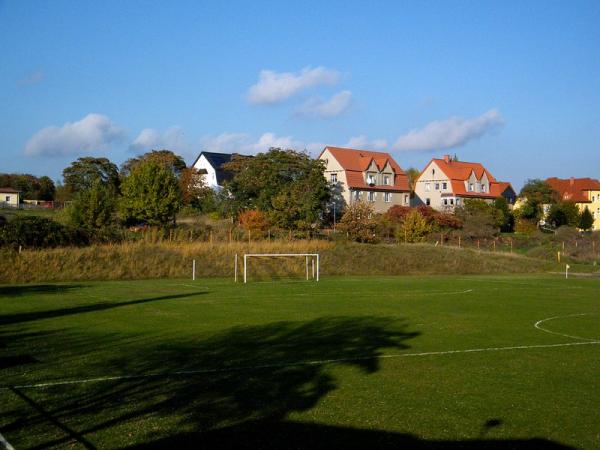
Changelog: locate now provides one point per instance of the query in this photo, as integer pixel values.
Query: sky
(514, 85)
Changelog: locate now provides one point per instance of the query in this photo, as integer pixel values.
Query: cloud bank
(364, 143)
(151, 139)
(246, 144)
(330, 108)
(452, 132)
(273, 87)
(93, 132)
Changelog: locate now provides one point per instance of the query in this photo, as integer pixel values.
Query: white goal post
(313, 257)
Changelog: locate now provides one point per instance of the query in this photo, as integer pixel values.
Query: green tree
(563, 214)
(506, 219)
(586, 220)
(164, 157)
(82, 174)
(480, 219)
(47, 189)
(359, 222)
(150, 193)
(288, 186)
(537, 193)
(94, 208)
(412, 174)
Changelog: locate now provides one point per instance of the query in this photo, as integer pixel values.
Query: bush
(39, 232)
(359, 223)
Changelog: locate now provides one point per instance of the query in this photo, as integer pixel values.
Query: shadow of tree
(11, 319)
(28, 289)
(235, 389)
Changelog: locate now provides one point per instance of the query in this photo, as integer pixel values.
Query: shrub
(414, 228)
(39, 232)
(253, 221)
(359, 223)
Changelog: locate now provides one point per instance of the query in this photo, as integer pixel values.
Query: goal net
(280, 265)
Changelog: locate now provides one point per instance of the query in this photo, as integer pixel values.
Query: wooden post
(511, 245)
(563, 244)
(477, 244)
(441, 239)
(211, 237)
(191, 235)
(558, 256)
(230, 235)
(594, 248)
(249, 235)
(494, 244)
(269, 235)
(458, 241)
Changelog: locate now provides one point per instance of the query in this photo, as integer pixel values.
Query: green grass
(302, 364)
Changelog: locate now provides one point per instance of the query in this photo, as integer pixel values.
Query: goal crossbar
(279, 255)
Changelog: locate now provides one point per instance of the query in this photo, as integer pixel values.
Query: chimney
(572, 181)
(447, 158)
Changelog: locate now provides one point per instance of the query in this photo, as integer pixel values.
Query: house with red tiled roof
(446, 183)
(365, 175)
(584, 192)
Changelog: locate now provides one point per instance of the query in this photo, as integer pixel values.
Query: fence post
(459, 242)
(194, 270)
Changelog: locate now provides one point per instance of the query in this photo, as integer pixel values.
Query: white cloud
(330, 108)
(273, 87)
(150, 139)
(245, 144)
(362, 142)
(93, 132)
(452, 132)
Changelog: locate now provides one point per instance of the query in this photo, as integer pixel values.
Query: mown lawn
(360, 362)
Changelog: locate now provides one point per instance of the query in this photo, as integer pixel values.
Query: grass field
(371, 362)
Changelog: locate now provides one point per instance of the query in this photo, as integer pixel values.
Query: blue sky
(514, 85)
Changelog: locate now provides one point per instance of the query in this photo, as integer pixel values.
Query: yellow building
(584, 192)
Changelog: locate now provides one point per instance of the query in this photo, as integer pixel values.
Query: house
(10, 197)
(445, 184)
(584, 192)
(211, 166)
(364, 175)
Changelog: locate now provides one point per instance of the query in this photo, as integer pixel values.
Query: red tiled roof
(574, 189)
(497, 188)
(355, 162)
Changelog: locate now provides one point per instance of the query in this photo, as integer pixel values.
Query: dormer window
(483, 188)
(471, 187)
(370, 178)
(386, 180)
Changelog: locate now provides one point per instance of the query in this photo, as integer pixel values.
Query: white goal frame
(312, 256)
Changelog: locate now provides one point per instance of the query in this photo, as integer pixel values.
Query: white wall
(210, 179)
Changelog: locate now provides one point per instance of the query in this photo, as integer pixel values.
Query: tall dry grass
(174, 260)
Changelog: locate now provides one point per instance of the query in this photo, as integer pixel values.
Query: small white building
(210, 165)
(10, 197)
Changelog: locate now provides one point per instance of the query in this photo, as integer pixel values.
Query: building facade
(365, 176)
(10, 197)
(584, 192)
(445, 184)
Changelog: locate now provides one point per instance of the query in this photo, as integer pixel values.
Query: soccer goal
(311, 261)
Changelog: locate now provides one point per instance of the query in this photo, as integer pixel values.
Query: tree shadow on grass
(235, 389)
(11, 319)
(29, 289)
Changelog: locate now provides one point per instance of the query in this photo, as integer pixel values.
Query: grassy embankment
(174, 260)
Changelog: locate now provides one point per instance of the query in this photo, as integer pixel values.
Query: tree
(563, 213)
(94, 208)
(506, 219)
(82, 174)
(537, 193)
(414, 228)
(359, 223)
(151, 193)
(586, 220)
(288, 186)
(47, 189)
(480, 219)
(412, 174)
(253, 221)
(164, 157)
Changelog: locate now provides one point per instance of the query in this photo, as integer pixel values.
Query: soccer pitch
(359, 362)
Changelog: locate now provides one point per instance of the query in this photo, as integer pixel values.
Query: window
(427, 187)
(370, 178)
(452, 201)
(446, 201)
(458, 201)
(428, 201)
(386, 180)
(470, 187)
(444, 185)
(406, 198)
(372, 196)
(432, 171)
(483, 188)
(8, 198)
(387, 197)
(356, 195)
(437, 186)
(334, 177)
